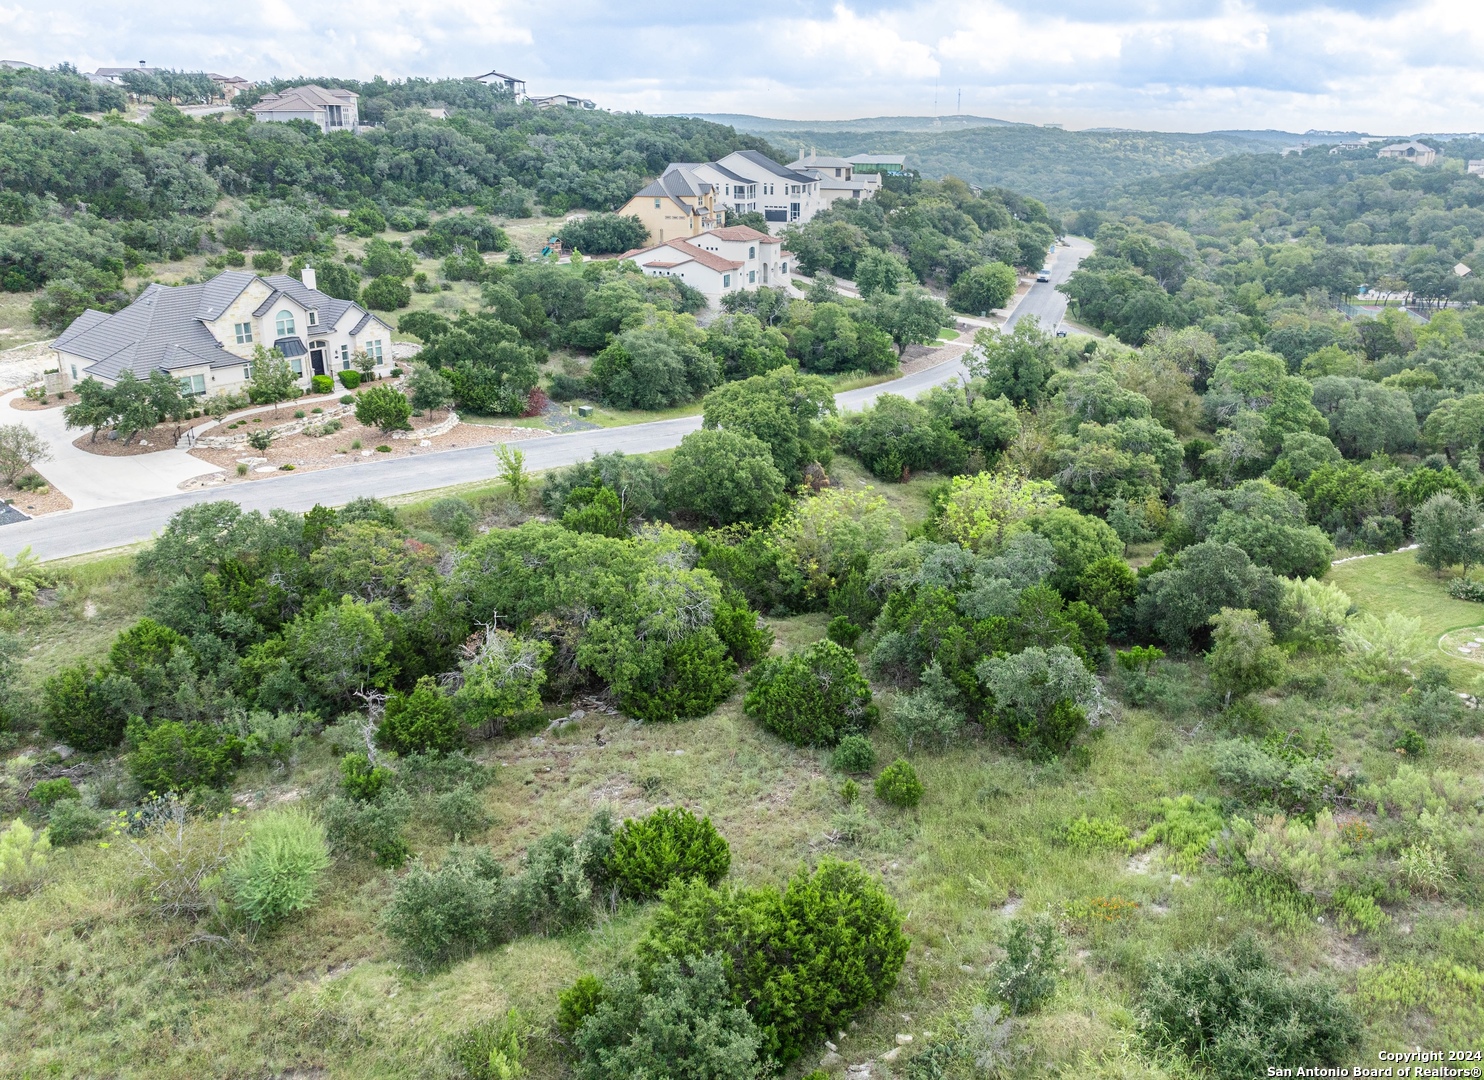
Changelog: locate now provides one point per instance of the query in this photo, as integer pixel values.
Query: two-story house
(329, 109)
(782, 194)
(680, 203)
(718, 261)
(205, 335)
(837, 179)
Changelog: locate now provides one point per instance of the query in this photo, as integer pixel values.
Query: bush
(680, 1022)
(492, 1050)
(723, 477)
(181, 757)
(603, 234)
(453, 517)
(384, 407)
(350, 379)
(386, 293)
(813, 697)
(70, 822)
(670, 844)
(78, 710)
(843, 632)
(322, 384)
(1232, 1013)
(420, 722)
(360, 779)
(260, 440)
(23, 855)
(445, 914)
(47, 792)
(460, 812)
(983, 288)
(855, 754)
(576, 1003)
(898, 785)
(276, 871)
(1096, 834)
(1026, 977)
(267, 262)
(1466, 589)
(804, 961)
(369, 830)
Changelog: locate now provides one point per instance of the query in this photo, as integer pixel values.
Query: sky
(1171, 65)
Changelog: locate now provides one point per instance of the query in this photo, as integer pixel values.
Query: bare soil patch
(921, 357)
(27, 405)
(305, 452)
(146, 442)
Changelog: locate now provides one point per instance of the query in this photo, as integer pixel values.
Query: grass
(16, 324)
(948, 335)
(1397, 582)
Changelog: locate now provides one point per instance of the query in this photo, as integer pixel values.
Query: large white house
(746, 181)
(718, 261)
(329, 109)
(204, 335)
(837, 178)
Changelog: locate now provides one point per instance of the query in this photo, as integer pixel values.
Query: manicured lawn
(1397, 582)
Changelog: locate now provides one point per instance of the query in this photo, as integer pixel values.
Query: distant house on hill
(1412, 150)
(326, 108)
(508, 83)
(890, 164)
(837, 179)
(229, 86)
(18, 65)
(563, 101)
(678, 204)
(204, 335)
(115, 75)
(718, 261)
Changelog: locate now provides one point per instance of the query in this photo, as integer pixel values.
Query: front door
(317, 358)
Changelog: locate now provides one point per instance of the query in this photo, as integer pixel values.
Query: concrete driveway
(95, 482)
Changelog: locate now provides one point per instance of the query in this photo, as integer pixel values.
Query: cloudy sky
(1185, 65)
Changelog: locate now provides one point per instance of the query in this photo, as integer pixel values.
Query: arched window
(285, 323)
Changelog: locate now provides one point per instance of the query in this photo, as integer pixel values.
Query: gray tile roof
(765, 162)
(290, 346)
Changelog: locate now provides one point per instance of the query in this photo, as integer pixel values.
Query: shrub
(1234, 1014)
(804, 960)
(322, 384)
(268, 262)
(681, 1021)
(1272, 775)
(723, 477)
(843, 632)
(350, 379)
(47, 792)
(1026, 977)
(855, 754)
(460, 812)
(369, 830)
(1186, 826)
(77, 710)
(383, 407)
(670, 844)
(175, 756)
(1041, 696)
(554, 892)
(386, 293)
(1466, 589)
(576, 1003)
(23, 855)
(260, 439)
(813, 697)
(70, 822)
(898, 785)
(850, 791)
(420, 722)
(441, 915)
(453, 517)
(360, 779)
(276, 871)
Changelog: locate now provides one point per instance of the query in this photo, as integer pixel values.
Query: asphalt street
(78, 532)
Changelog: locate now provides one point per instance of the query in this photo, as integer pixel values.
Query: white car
(1043, 275)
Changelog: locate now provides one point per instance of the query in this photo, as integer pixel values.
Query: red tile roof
(744, 234)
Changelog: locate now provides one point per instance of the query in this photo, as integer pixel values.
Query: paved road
(81, 531)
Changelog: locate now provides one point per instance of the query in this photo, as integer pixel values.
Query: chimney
(307, 276)
(801, 153)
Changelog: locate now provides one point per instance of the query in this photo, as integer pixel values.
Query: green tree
(595, 510)
(20, 449)
(382, 260)
(785, 410)
(386, 293)
(513, 471)
(984, 288)
(95, 407)
(341, 649)
(422, 722)
(1041, 696)
(894, 437)
(1016, 364)
(1447, 534)
(273, 380)
(133, 410)
(880, 272)
(502, 679)
(428, 390)
(603, 234)
(723, 477)
(1243, 658)
(384, 407)
(913, 317)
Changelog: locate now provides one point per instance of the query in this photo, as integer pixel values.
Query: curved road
(78, 532)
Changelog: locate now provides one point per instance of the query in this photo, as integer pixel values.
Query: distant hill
(1062, 168)
(758, 125)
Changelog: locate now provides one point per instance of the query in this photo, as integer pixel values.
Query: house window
(793, 211)
(784, 267)
(285, 323)
(373, 350)
(726, 283)
(243, 332)
(752, 252)
(297, 363)
(656, 204)
(345, 352)
(247, 373)
(314, 318)
(751, 277)
(74, 371)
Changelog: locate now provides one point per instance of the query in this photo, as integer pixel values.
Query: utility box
(584, 410)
